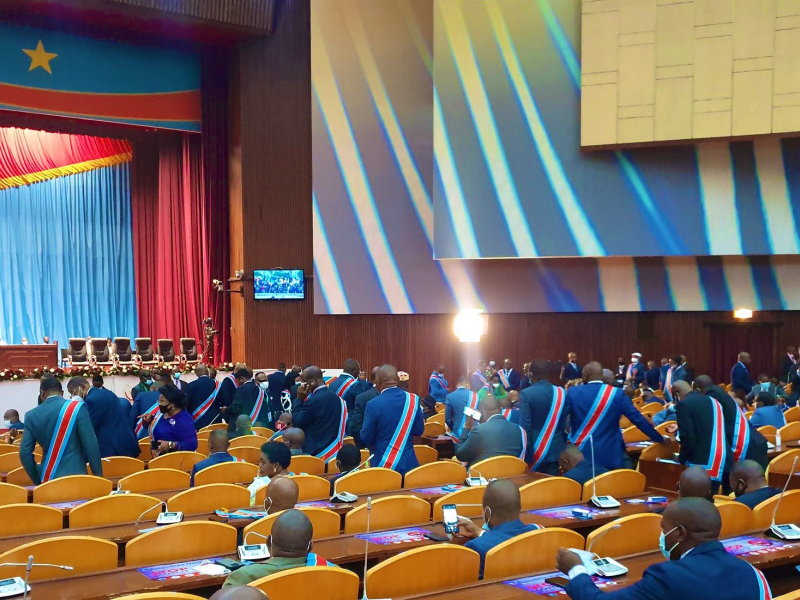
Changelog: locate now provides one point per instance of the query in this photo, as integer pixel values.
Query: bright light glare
(743, 313)
(470, 325)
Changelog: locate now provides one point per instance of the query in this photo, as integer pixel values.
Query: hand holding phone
(450, 518)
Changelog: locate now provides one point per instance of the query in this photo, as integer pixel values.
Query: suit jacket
(637, 371)
(435, 387)
(126, 408)
(757, 449)
(662, 375)
(608, 445)
(535, 403)
(244, 401)
(81, 446)
(476, 384)
(513, 379)
(582, 472)
(695, 416)
(708, 571)
(197, 392)
(785, 368)
(570, 372)
(740, 378)
(318, 416)
(277, 383)
(454, 406)
(355, 418)
(495, 437)
(114, 436)
(768, 415)
(351, 393)
(381, 419)
(679, 373)
(214, 459)
(652, 377)
(227, 389)
(142, 402)
(757, 389)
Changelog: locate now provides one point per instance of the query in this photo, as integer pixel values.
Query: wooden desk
(661, 475)
(443, 444)
(30, 356)
(778, 480)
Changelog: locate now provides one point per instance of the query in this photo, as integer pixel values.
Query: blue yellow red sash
(259, 403)
(503, 378)
(594, 416)
(438, 378)
(64, 426)
(203, 408)
(474, 400)
(524, 435)
(741, 437)
(630, 374)
(329, 453)
(506, 412)
(152, 411)
(764, 593)
(312, 560)
(668, 384)
(482, 378)
(401, 435)
(716, 458)
(546, 435)
(350, 382)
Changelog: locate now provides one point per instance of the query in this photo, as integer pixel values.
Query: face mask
(486, 518)
(662, 544)
(634, 360)
(765, 386)
(176, 376)
(263, 385)
(267, 508)
(164, 409)
(148, 382)
(6, 424)
(622, 364)
(497, 385)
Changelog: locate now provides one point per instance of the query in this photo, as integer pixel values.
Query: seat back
(161, 596)
(229, 472)
(433, 429)
(388, 512)
(182, 461)
(365, 481)
(437, 418)
(310, 465)
(12, 494)
(769, 432)
(469, 500)
(8, 449)
(325, 523)
(249, 454)
(422, 570)
(18, 476)
(100, 349)
(552, 491)
(121, 466)
(636, 533)
(309, 583)
(529, 552)
(25, 519)
(122, 347)
(255, 441)
(10, 461)
(792, 415)
(653, 407)
(114, 510)
(74, 487)
(312, 487)
(425, 454)
(144, 348)
(264, 432)
(737, 518)
(214, 426)
(166, 349)
(435, 473)
(787, 513)
(84, 554)
(77, 350)
(781, 463)
(189, 348)
(500, 466)
(208, 498)
(181, 541)
(155, 480)
(790, 432)
(633, 434)
(657, 451)
(620, 483)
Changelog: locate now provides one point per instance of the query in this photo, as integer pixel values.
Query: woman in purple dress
(174, 430)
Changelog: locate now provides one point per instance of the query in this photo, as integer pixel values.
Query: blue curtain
(66, 258)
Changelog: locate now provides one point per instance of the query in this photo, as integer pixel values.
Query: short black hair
(98, 379)
(349, 457)
(677, 359)
(538, 369)
(277, 453)
(51, 384)
(767, 399)
(174, 395)
(243, 373)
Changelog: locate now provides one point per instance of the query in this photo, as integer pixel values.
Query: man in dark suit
(346, 385)
(595, 409)
(652, 374)
(788, 364)
(636, 370)
(455, 403)
(355, 419)
(741, 382)
(217, 453)
(746, 441)
(697, 567)
(228, 386)
(114, 436)
(252, 399)
(291, 377)
(495, 436)
(543, 416)
(277, 383)
(322, 415)
(676, 372)
(202, 398)
(145, 381)
(77, 442)
(577, 467)
(749, 484)
(391, 421)
(478, 381)
(508, 376)
(571, 371)
(438, 384)
(701, 423)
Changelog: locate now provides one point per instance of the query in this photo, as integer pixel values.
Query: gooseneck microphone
(366, 547)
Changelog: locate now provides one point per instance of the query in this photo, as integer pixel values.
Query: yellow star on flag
(40, 58)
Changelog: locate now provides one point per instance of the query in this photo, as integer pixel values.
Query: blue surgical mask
(176, 375)
(486, 518)
(148, 382)
(765, 386)
(662, 544)
(6, 424)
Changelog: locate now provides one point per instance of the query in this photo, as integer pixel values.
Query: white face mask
(263, 384)
(634, 360)
(6, 424)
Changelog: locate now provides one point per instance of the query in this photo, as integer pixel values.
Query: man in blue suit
(662, 373)
(202, 398)
(437, 384)
(636, 370)
(322, 415)
(676, 372)
(478, 379)
(697, 566)
(741, 382)
(390, 423)
(595, 409)
(542, 414)
(572, 370)
(347, 386)
(217, 453)
(114, 436)
(454, 406)
(508, 376)
(652, 375)
(277, 383)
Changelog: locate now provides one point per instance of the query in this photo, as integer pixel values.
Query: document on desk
(747, 545)
(243, 513)
(439, 490)
(398, 536)
(176, 570)
(316, 504)
(564, 512)
(538, 585)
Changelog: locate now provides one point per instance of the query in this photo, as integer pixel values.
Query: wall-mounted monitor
(279, 284)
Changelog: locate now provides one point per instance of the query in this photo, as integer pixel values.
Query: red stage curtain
(28, 155)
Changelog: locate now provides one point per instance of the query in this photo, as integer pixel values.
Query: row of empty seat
(81, 351)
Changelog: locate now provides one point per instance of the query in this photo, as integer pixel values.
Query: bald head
(218, 441)
(681, 389)
(312, 373)
(201, 370)
(243, 422)
(352, 367)
(608, 376)
(283, 492)
(240, 592)
(703, 382)
(386, 377)
(747, 476)
(503, 500)
(291, 535)
(695, 483)
(570, 458)
(593, 371)
(489, 406)
(294, 437)
(700, 518)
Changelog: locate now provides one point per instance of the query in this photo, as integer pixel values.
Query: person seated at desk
(217, 453)
(697, 566)
(275, 459)
(495, 436)
(764, 385)
(347, 459)
(294, 438)
(667, 414)
(769, 413)
(242, 592)
(282, 494)
(12, 423)
(289, 547)
(649, 396)
(501, 508)
(243, 427)
(574, 466)
(749, 484)
(174, 427)
(695, 483)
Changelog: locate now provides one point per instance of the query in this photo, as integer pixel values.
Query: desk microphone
(789, 531)
(599, 501)
(139, 519)
(605, 567)
(475, 481)
(602, 533)
(21, 585)
(366, 547)
(347, 497)
(219, 414)
(254, 552)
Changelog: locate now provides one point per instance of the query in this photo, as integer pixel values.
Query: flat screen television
(279, 284)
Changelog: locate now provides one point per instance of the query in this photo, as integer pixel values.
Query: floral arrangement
(89, 371)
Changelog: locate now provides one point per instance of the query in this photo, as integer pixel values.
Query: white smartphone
(450, 518)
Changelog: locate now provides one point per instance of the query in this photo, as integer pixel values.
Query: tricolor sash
(741, 437)
(64, 426)
(629, 374)
(329, 453)
(524, 435)
(312, 560)
(438, 378)
(668, 384)
(545, 439)
(482, 378)
(152, 411)
(346, 385)
(503, 378)
(716, 458)
(402, 434)
(764, 593)
(259, 403)
(474, 400)
(594, 416)
(506, 412)
(203, 408)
